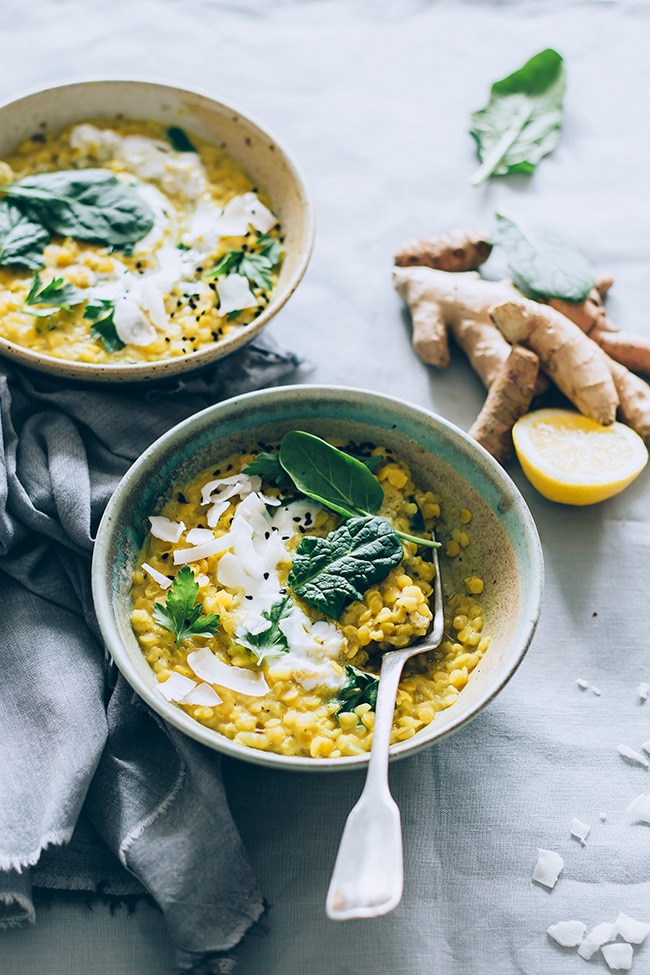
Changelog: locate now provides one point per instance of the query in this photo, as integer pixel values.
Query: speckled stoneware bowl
(265, 159)
(505, 542)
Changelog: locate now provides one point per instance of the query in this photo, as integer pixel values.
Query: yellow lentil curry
(271, 671)
(124, 242)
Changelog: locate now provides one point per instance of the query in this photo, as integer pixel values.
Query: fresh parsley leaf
(271, 641)
(328, 573)
(179, 139)
(542, 263)
(100, 312)
(267, 466)
(182, 614)
(521, 123)
(255, 265)
(55, 296)
(87, 204)
(359, 688)
(21, 240)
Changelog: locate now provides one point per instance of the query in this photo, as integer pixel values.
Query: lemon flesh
(573, 460)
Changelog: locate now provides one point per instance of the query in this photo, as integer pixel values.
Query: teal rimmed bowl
(505, 548)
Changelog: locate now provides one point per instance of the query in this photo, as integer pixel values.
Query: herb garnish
(55, 296)
(335, 479)
(359, 688)
(21, 239)
(255, 265)
(331, 572)
(87, 204)
(100, 312)
(521, 123)
(271, 641)
(267, 466)
(542, 263)
(179, 139)
(182, 614)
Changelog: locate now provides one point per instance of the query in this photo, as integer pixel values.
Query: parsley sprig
(271, 641)
(183, 614)
(256, 265)
(100, 312)
(55, 296)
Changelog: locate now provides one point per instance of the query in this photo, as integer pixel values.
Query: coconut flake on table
(163, 581)
(210, 668)
(165, 529)
(582, 683)
(580, 830)
(569, 934)
(176, 687)
(235, 294)
(548, 867)
(631, 930)
(618, 955)
(646, 746)
(633, 755)
(643, 690)
(597, 937)
(640, 808)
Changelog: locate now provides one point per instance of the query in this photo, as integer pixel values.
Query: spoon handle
(368, 875)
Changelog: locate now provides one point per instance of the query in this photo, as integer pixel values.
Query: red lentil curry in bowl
(145, 230)
(254, 564)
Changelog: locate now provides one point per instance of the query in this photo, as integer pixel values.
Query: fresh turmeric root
(577, 366)
(508, 398)
(455, 251)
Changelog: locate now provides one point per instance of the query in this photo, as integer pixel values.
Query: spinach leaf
(329, 475)
(359, 688)
(521, 123)
(271, 641)
(54, 296)
(182, 614)
(328, 573)
(87, 204)
(179, 139)
(21, 240)
(542, 263)
(100, 312)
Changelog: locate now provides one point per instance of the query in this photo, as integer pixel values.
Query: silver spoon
(368, 876)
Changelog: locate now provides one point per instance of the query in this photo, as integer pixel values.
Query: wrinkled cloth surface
(80, 755)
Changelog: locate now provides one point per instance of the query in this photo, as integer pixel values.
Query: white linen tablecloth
(374, 100)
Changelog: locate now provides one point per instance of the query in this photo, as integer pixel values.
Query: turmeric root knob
(455, 251)
(577, 366)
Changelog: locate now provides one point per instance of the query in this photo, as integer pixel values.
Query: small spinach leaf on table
(542, 263)
(21, 239)
(328, 573)
(522, 120)
(87, 204)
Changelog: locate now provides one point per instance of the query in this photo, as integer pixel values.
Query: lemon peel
(571, 459)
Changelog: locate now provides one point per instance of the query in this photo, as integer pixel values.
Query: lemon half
(574, 460)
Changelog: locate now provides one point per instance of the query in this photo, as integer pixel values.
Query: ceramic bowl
(505, 546)
(267, 162)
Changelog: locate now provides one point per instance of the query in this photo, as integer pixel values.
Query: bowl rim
(102, 580)
(142, 372)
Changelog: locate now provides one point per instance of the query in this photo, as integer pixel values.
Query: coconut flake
(208, 667)
(203, 695)
(569, 934)
(176, 687)
(640, 808)
(582, 683)
(580, 830)
(166, 529)
(163, 581)
(618, 956)
(633, 755)
(235, 294)
(548, 867)
(197, 536)
(204, 551)
(631, 930)
(643, 690)
(241, 211)
(646, 747)
(597, 937)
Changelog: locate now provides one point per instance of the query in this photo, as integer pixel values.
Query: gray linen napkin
(96, 793)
